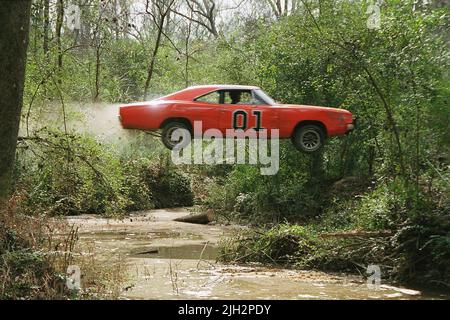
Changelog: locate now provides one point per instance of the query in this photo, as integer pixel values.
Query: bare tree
(159, 11)
(59, 25)
(98, 44)
(282, 7)
(204, 13)
(108, 23)
(186, 51)
(84, 34)
(46, 24)
(124, 16)
(14, 23)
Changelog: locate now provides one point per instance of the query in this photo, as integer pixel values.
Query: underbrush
(35, 253)
(60, 174)
(100, 279)
(67, 174)
(411, 245)
(295, 193)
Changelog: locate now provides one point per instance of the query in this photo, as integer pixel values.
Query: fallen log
(358, 233)
(401, 290)
(151, 251)
(199, 218)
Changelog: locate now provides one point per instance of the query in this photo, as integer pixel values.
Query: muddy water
(174, 260)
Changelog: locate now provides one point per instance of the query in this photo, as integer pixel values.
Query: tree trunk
(198, 218)
(14, 26)
(98, 50)
(358, 234)
(153, 60)
(46, 24)
(186, 51)
(59, 24)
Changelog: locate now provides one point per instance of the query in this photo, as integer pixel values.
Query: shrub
(169, 187)
(139, 193)
(35, 252)
(152, 185)
(295, 193)
(31, 265)
(283, 244)
(75, 174)
(70, 174)
(418, 251)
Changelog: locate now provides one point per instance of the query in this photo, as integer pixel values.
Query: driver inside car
(235, 97)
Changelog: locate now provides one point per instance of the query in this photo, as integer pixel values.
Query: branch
(358, 233)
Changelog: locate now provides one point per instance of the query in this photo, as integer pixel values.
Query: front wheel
(308, 138)
(175, 134)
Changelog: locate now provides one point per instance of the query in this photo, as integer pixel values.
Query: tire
(309, 138)
(169, 129)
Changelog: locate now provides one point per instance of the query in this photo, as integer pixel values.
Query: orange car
(236, 107)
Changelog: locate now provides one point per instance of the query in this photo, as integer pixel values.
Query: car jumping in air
(236, 107)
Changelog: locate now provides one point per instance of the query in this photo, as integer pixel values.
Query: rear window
(212, 97)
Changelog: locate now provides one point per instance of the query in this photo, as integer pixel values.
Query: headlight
(337, 116)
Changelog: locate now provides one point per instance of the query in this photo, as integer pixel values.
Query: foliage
(417, 251)
(393, 79)
(168, 188)
(74, 174)
(28, 269)
(294, 193)
(391, 173)
(71, 174)
(35, 252)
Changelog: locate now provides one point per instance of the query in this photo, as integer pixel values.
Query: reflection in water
(193, 251)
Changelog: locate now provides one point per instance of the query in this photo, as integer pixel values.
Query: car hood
(308, 107)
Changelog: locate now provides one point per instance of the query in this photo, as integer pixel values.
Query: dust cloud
(100, 120)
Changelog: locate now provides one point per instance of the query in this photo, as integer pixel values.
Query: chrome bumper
(351, 126)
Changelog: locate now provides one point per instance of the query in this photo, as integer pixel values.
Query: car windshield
(264, 97)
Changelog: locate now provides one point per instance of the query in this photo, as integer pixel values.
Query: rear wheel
(176, 133)
(309, 138)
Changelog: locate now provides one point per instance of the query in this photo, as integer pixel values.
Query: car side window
(239, 97)
(212, 97)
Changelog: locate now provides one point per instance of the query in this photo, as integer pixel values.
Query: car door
(248, 114)
(206, 110)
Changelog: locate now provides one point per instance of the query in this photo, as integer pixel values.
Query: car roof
(190, 93)
(224, 87)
